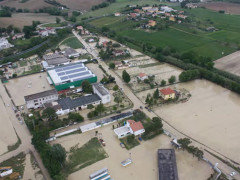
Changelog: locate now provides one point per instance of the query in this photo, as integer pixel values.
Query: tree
(58, 20)
(49, 113)
(75, 117)
(126, 77)
(147, 99)
(58, 153)
(172, 79)
(163, 82)
(14, 75)
(130, 139)
(90, 106)
(112, 65)
(184, 142)
(87, 87)
(156, 94)
(100, 108)
(157, 122)
(115, 88)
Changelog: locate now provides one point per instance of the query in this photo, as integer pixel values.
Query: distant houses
(4, 44)
(142, 76)
(18, 36)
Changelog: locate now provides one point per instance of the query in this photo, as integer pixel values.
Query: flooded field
(8, 135)
(161, 71)
(211, 116)
(230, 63)
(20, 87)
(144, 157)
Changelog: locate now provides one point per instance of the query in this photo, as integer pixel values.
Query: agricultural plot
(25, 19)
(30, 4)
(230, 63)
(23, 86)
(211, 44)
(145, 153)
(80, 4)
(72, 42)
(211, 116)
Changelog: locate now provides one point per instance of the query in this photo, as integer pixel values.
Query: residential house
(142, 76)
(166, 9)
(70, 52)
(167, 93)
(47, 31)
(105, 44)
(117, 14)
(182, 16)
(39, 99)
(120, 65)
(4, 44)
(79, 28)
(118, 52)
(18, 36)
(146, 8)
(172, 18)
(190, 5)
(151, 23)
(153, 10)
(131, 127)
(133, 15)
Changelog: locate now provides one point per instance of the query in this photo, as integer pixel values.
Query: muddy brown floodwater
(211, 116)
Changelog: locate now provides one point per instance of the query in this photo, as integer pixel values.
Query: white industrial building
(131, 127)
(52, 60)
(70, 52)
(39, 99)
(4, 44)
(102, 92)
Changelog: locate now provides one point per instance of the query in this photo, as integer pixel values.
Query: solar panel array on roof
(61, 73)
(85, 77)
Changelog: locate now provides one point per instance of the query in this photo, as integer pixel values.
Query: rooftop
(122, 130)
(69, 51)
(70, 73)
(141, 75)
(167, 166)
(135, 126)
(68, 103)
(40, 95)
(167, 91)
(101, 89)
(55, 59)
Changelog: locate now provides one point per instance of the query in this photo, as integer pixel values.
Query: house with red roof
(167, 93)
(142, 76)
(131, 127)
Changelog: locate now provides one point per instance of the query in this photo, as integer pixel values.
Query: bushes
(76, 117)
(189, 75)
(153, 129)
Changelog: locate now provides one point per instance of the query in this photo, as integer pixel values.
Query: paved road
(137, 103)
(23, 134)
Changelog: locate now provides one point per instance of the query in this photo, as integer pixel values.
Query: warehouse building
(52, 60)
(102, 92)
(39, 99)
(70, 76)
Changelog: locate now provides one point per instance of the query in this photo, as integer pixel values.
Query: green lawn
(185, 37)
(17, 163)
(22, 63)
(52, 25)
(72, 42)
(129, 145)
(84, 156)
(34, 69)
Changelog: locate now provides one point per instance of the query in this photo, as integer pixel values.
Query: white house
(102, 92)
(4, 44)
(131, 127)
(39, 99)
(70, 52)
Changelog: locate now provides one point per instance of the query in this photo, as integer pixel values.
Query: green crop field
(187, 36)
(72, 42)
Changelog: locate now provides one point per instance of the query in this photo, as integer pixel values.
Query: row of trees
(99, 109)
(153, 128)
(185, 144)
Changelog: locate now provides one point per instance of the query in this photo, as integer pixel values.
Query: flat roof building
(70, 75)
(52, 60)
(167, 166)
(102, 92)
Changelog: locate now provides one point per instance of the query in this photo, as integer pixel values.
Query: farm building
(167, 93)
(102, 92)
(132, 127)
(70, 52)
(52, 60)
(39, 99)
(70, 76)
(167, 166)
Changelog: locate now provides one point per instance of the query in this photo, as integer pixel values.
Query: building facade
(102, 92)
(167, 93)
(37, 100)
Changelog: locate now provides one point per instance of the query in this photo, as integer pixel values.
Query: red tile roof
(135, 126)
(167, 91)
(141, 75)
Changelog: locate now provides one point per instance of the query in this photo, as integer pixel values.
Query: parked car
(122, 145)
(139, 138)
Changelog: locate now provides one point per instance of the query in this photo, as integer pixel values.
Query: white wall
(41, 101)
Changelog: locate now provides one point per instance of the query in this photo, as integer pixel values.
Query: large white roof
(70, 73)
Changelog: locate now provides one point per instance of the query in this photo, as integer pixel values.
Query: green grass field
(72, 42)
(86, 155)
(185, 37)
